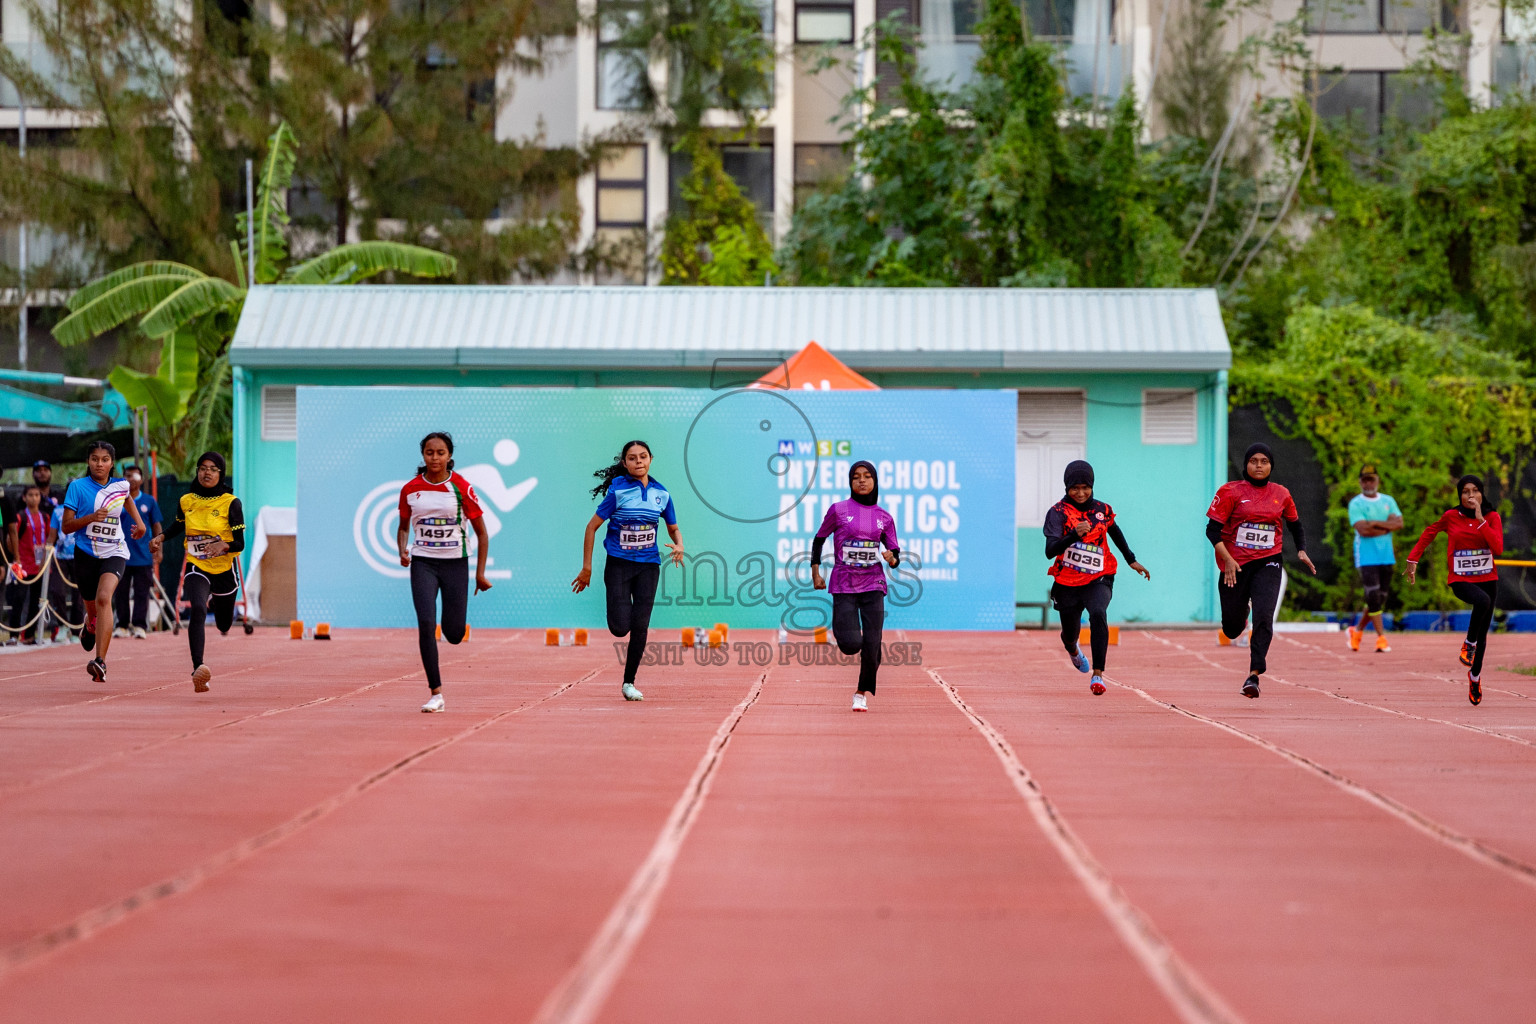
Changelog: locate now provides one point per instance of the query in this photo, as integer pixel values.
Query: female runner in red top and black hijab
(1075, 532)
(1476, 537)
(1243, 524)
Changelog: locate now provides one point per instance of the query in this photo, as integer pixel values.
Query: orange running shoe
(1381, 644)
(1355, 636)
(1474, 689)
(1466, 654)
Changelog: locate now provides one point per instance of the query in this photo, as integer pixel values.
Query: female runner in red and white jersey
(1476, 537)
(1243, 524)
(437, 509)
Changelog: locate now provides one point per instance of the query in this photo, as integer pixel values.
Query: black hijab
(873, 497)
(222, 487)
(1470, 479)
(1259, 448)
(1078, 472)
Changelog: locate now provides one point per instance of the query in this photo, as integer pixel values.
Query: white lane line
(1193, 999)
(581, 993)
(1365, 703)
(1465, 844)
(1458, 682)
(105, 916)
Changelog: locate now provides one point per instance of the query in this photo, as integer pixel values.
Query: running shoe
(139, 632)
(1355, 636)
(97, 669)
(860, 702)
(1466, 653)
(1251, 687)
(1474, 688)
(435, 704)
(1080, 662)
(121, 633)
(1381, 644)
(1242, 639)
(201, 678)
(630, 693)
(88, 637)
(1097, 686)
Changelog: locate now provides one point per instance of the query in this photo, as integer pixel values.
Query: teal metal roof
(595, 328)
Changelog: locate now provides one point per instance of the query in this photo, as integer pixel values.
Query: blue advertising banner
(751, 473)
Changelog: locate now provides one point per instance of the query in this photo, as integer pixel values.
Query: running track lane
(461, 889)
(1295, 899)
(876, 868)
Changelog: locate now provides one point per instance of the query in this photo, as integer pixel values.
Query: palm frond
(118, 305)
(148, 390)
(271, 212)
(186, 304)
(357, 261)
(178, 361)
(149, 268)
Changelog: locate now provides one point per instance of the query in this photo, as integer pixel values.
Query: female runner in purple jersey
(858, 526)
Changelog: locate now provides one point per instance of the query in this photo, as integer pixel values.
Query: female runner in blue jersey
(633, 504)
(93, 512)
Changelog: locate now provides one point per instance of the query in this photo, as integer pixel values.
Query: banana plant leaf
(118, 305)
(357, 261)
(150, 268)
(193, 300)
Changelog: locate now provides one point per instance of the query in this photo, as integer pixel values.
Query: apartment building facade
(1365, 49)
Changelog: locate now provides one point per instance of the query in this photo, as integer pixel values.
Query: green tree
(1003, 182)
(193, 313)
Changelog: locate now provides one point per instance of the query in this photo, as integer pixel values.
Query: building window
(1371, 17)
(750, 167)
(1372, 100)
(819, 166)
(1169, 416)
(823, 23)
(279, 413)
(1049, 19)
(1052, 431)
(620, 69)
(621, 188)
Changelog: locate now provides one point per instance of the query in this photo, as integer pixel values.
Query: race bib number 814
(1255, 536)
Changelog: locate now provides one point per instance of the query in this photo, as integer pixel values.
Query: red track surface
(991, 843)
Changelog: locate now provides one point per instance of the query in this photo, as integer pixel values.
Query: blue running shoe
(1080, 662)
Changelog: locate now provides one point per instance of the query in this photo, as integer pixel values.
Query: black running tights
(198, 590)
(631, 590)
(1093, 598)
(863, 640)
(1258, 585)
(430, 577)
(1481, 596)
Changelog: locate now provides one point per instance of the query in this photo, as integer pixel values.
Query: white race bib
(637, 538)
(199, 545)
(1478, 562)
(861, 554)
(1085, 558)
(107, 531)
(439, 532)
(1255, 536)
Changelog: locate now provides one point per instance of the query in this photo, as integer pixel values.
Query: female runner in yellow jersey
(211, 517)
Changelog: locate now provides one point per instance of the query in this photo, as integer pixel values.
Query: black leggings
(1093, 598)
(202, 593)
(631, 594)
(135, 586)
(430, 577)
(1258, 585)
(1481, 596)
(863, 640)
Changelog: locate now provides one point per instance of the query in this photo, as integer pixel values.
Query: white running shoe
(120, 632)
(201, 678)
(860, 702)
(139, 632)
(435, 704)
(630, 693)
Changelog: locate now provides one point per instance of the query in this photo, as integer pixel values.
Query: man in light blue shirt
(1374, 517)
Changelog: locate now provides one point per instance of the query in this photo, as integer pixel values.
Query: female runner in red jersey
(438, 508)
(1243, 524)
(1077, 529)
(1476, 537)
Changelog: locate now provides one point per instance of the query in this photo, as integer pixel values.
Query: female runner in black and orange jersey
(1243, 524)
(1084, 570)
